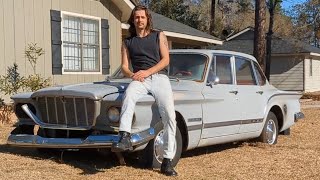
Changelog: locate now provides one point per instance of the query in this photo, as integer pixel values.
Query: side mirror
(214, 81)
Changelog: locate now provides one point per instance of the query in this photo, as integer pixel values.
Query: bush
(32, 53)
(311, 95)
(12, 82)
(34, 82)
(6, 111)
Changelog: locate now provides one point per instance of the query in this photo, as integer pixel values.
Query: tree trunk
(269, 39)
(259, 48)
(212, 17)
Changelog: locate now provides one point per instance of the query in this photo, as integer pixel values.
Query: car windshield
(189, 66)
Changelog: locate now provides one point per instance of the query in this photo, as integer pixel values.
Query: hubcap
(159, 148)
(271, 132)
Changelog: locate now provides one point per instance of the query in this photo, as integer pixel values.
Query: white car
(220, 96)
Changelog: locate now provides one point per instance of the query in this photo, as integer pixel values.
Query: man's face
(140, 19)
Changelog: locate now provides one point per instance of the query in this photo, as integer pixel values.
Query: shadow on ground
(210, 149)
(91, 161)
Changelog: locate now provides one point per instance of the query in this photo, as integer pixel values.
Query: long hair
(132, 29)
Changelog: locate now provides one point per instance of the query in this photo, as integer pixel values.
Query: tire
(270, 130)
(152, 155)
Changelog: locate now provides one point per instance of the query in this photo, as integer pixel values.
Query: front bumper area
(92, 141)
(298, 116)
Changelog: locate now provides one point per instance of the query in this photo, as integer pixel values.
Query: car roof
(210, 52)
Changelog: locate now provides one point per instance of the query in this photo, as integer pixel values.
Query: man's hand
(141, 75)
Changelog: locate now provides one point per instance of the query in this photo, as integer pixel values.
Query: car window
(244, 72)
(260, 75)
(187, 66)
(221, 67)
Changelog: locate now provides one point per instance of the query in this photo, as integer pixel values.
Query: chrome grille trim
(75, 110)
(86, 112)
(47, 110)
(67, 111)
(56, 110)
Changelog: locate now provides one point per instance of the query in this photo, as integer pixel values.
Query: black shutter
(105, 46)
(56, 41)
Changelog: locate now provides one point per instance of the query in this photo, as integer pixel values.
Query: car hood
(98, 90)
(95, 90)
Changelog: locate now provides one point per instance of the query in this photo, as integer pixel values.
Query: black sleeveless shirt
(144, 52)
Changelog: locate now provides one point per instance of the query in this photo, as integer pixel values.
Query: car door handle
(234, 92)
(260, 92)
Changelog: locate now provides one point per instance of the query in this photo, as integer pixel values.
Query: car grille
(67, 111)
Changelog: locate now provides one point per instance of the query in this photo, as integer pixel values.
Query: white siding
(312, 83)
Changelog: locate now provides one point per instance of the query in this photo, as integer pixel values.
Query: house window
(310, 66)
(80, 43)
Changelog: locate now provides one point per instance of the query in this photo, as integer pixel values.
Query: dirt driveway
(294, 157)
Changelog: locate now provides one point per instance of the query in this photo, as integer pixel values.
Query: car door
(221, 113)
(251, 98)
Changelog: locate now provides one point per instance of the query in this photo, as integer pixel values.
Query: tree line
(223, 18)
(301, 21)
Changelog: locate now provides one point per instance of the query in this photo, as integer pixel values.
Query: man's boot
(167, 168)
(124, 143)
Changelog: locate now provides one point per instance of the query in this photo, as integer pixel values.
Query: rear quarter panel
(289, 104)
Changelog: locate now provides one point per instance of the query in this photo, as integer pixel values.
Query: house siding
(312, 83)
(28, 21)
(287, 73)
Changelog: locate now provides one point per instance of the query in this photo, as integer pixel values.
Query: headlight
(113, 114)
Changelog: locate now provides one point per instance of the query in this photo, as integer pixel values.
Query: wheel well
(278, 112)
(183, 129)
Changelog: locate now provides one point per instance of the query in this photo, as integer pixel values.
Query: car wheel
(270, 130)
(152, 155)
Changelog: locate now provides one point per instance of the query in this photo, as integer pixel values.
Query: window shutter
(105, 46)
(56, 41)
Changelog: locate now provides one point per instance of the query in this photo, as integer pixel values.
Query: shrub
(12, 82)
(314, 96)
(34, 82)
(32, 53)
(5, 112)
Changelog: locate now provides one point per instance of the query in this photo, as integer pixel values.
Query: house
(295, 65)
(179, 35)
(81, 38)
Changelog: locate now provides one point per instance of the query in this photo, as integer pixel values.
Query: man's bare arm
(125, 61)
(164, 54)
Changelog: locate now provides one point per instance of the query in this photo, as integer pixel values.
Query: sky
(286, 4)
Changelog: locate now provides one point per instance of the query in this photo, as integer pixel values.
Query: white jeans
(159, 86)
